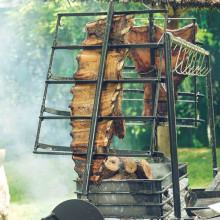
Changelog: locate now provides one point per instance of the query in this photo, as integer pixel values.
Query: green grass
(199, 165)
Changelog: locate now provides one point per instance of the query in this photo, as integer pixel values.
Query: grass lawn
(25, 206)
(199, 165)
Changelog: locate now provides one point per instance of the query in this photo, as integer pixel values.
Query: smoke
(22, 74)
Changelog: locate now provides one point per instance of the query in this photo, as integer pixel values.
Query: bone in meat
(83, 94)
(141, 58)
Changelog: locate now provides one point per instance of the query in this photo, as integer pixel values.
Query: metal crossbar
(197, 64)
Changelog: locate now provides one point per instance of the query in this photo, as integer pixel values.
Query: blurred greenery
(199, 165)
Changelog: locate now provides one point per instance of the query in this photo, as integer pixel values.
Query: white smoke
(31, 178)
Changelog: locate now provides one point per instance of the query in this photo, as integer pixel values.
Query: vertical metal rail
(172, 125)
(195, 100)
(94, 122)
(46, 85)
(155, 89)
(194, 31)
(152, 54)
(211, 116)
(195, 77)
(155, 86)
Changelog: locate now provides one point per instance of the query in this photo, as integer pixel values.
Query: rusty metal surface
(206, 213)
(215, 185)
(199, 200)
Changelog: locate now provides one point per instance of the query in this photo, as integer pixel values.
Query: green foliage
(208, 33)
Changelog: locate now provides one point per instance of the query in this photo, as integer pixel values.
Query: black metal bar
(144, 124)
(133, 91)
(140, 73)
(64, 150)
(94, 122)
(52, 152)
(154, 87)
(190, 94)
(140, 11)
(155, 97)
(179, 93)
(130, 73)
(126, 80)
(94, 155)
(92, 47)
(211, 116)
(46, 86)
(128, 118)
(194, 31)
(195, 99)
(73, 81)
(66, 117)
(163, 101)
(176, 19)
(82, 14)
(184, 120)
(56, 112)
(115, 13)
(136, 80)
(119, 154)
(188, 101)
(129, 67)
(172, 126)
(132, 100)
(57, 77)
(195, 77)
(53, 147)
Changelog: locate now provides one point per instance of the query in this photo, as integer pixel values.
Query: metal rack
(165, 46)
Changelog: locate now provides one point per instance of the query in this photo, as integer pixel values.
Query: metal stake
(94, 122)
(172, 126)
(211, 116)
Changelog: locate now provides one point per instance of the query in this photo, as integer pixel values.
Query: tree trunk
(144, 170)
(123, 175)
(125, 168)
(129, 165)
(110, 167)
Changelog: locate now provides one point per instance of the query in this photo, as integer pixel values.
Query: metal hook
(142, 2)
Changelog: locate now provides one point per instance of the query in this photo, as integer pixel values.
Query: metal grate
(165, 46)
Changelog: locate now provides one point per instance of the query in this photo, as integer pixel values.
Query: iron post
(172, 125)
(94, 121)
(211, 117)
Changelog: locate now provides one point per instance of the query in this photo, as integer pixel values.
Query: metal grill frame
(166, 47)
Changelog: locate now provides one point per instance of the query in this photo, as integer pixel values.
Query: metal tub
(134, 198)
